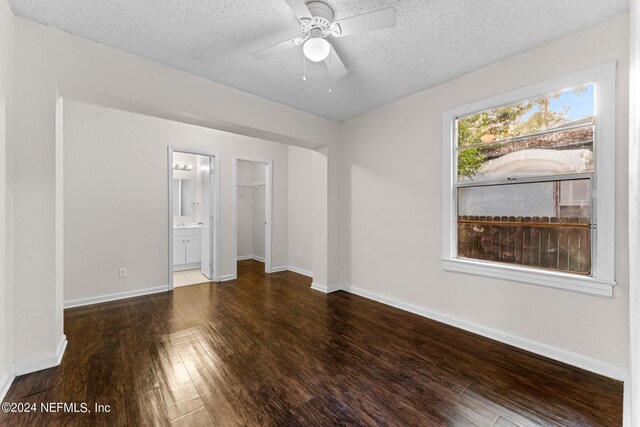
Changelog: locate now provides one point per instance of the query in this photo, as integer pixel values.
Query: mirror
(184, 197)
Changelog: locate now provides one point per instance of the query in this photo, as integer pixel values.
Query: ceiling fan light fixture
(316, 49)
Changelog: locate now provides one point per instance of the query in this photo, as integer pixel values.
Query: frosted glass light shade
(316, 49)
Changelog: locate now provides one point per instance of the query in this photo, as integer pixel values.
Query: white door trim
(632, 384)
(216, 209)
(268, 210)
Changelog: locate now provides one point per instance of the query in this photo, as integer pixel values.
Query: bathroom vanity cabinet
(186, 248)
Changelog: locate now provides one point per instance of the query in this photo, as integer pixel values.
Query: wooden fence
(562, 244)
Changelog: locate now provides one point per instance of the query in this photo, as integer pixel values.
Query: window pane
(539, 225)
(549, 135)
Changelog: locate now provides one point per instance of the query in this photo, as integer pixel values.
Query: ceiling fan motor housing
(320, 9)
(322, 18)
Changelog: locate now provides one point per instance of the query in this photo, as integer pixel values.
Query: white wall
(49, 62)
(323, 279)
(390, 175)
(245, 210)
(300, 209)
(6, 302)
(116, 196)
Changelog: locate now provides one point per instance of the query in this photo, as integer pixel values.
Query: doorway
(252, 208)
(193, 217)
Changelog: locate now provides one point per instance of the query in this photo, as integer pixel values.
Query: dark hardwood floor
(267, 350)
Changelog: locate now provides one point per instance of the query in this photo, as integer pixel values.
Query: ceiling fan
(316, 23)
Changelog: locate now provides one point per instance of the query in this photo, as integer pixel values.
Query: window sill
(582, 284)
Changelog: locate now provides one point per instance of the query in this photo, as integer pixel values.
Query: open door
(206, 264)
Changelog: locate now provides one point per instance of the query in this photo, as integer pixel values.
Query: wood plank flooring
(267, 350)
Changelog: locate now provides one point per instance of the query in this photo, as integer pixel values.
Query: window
(529, 184)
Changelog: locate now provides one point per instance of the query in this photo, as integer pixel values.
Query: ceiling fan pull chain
(304, 69)
(330, 64)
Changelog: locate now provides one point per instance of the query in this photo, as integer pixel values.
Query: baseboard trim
(324, 288)
(114, 297)
(561, 355)
(5, 384)
(300, 271)
(273, 269)
(226, 277)
(253, 257)
(34, 365)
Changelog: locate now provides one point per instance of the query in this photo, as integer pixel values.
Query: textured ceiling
(434, 41)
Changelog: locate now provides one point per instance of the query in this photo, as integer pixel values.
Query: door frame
(268, 196)
(215, 210)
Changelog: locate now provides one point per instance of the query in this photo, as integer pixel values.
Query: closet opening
(252, 211)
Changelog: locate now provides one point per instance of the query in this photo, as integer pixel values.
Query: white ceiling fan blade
(278, 48)
(335, 65)
(299, 8)
(378, 20)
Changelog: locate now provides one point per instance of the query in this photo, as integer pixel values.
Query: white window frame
(601, 281)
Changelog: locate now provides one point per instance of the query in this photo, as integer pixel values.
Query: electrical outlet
(122, 272)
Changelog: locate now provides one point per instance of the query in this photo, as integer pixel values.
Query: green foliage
(504, 122)
(469, 161)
